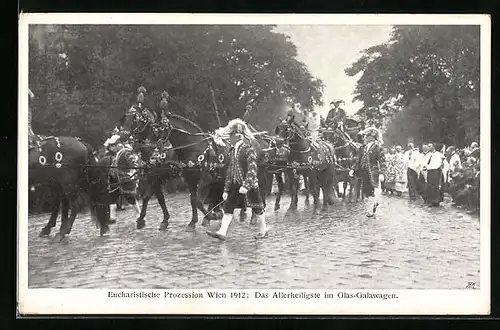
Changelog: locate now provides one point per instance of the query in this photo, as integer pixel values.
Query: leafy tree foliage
(86, 76)
(426, 79)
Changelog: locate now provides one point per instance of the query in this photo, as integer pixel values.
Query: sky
(328, 50)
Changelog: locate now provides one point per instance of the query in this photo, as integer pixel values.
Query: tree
(103, 65)
(432, 70)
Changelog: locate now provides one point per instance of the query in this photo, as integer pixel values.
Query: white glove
(224, 196)
(243, 190)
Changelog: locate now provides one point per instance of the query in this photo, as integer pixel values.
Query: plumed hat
(238, 126)
(140, 98)
(372, 132)
(164, 101)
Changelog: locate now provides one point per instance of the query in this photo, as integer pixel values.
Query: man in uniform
(336, 116)
(164, 104)
(370, 165)
(248, 109)
(241, 188)
(290, 116)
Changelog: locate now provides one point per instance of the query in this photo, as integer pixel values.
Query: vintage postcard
(254, 164)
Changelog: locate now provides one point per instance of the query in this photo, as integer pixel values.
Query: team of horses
(173, 146)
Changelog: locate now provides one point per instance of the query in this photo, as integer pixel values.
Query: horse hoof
(112, 221)
(104, 230)
(59, 237)
(141, 224)
(190, 228)
(44, 233)
(163, 226)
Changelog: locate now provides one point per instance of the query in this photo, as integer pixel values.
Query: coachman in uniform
(371, 164)
(241, 186)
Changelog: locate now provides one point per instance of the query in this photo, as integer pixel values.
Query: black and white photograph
(245, 164)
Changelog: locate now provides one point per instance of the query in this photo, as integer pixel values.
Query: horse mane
(187, 121)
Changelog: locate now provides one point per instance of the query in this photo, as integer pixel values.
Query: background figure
(390, 172)
(395, 174)
(422, 178)
(400, 169)
(370, 165)
(412, 158)
(434, 180)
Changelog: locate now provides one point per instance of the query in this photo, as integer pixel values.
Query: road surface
(406, 246)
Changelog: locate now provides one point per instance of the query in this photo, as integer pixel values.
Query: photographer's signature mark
(471, 285)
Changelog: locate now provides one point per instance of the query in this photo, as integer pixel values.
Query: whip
(213, 209)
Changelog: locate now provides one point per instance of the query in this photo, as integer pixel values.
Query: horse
(346, 152)
(150, 138)
(274, 158)
(122, 169)
(314, 160)
(204, 162)
(67, 166)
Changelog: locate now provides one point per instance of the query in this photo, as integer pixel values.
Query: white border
(418, 302)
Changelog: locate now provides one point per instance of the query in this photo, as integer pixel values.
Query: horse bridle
(291, 132)
(139, 116)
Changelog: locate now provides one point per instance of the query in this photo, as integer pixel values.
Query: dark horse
(150, 138)
(67, 166)
(314, 160)
(123, 173)
(347, 152)
(204, 162)
(274, 159)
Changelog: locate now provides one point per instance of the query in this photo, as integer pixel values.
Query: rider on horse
(164, 105)
(304, 124)
(336, 116)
